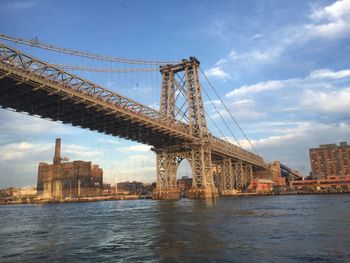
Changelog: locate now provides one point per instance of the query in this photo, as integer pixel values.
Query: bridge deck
(33, 86)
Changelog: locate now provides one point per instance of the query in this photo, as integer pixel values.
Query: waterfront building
(329, 160)
(332, 184)
(63, 179)
(17, 195)
(107, 189)
(130, 187)
(261, 186)
(133, 188)
(17, 192)
(329, 170)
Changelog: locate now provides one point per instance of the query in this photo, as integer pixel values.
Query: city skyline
(282, 68)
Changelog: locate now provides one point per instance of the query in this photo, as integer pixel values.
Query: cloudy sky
(282, 68)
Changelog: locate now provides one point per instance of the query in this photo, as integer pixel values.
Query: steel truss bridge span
(30, 85)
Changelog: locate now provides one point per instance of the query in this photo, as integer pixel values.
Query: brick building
(68, 179)
(184, 184)
(136, 188)
(330, 160)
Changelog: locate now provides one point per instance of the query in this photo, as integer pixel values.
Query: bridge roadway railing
(31, 69)
(226, 148)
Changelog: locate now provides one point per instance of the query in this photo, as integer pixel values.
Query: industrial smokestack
(57, 157)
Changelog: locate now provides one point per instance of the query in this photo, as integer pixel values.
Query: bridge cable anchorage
(229, 112)
(116, 70)
(227, 126)
(37, 44)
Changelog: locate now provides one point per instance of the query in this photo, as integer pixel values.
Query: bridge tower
(181, 99)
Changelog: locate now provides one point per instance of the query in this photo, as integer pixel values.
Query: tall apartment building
(330, 160)
(63, 179)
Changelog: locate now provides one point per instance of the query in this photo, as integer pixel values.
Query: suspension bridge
(177, 131)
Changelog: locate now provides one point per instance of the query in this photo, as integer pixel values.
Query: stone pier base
(202, 193)
(173, 194)
(193, 193)
(229, 192)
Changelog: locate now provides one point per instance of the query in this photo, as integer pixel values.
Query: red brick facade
(330, 160)
(68, 179)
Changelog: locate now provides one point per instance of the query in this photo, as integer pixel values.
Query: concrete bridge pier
(166, 194)
(194, 193)
(202, 193)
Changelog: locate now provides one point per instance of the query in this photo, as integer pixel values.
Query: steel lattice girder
(72, 97)
(227, 174)
(200, 154)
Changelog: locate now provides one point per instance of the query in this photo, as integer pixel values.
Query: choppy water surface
(248, 229)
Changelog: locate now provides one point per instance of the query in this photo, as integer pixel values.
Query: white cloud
(320, 101)
(141, 159)
(329, 30)
(17, 5)
(322, 90)
(135, 148)
(326, 73)
(19, 123)
(217, 72)
(270, 100)
(268, 127)
(255, 88)
(294, 110)
(337, 10)
(23, 151)
(331, 21)
(257, 36)
(249, 114)
(220, 62)
(291, 146)
(80, 152)
(242, 110)
(113, 141)
(240, 102)
(20, 150)
(328, 23)
(310, 134)
(255, 56)
(140, 167)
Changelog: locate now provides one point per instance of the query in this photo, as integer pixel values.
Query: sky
(281, 67)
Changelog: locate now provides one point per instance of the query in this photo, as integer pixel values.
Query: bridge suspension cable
(227, 126)
(35, 43)
(228, 111)
(216, 126)
(117, 70)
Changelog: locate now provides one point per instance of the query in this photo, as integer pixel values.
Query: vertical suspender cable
(239, 127)
(228, 127)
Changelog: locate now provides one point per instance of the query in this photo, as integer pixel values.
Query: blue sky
(282, 67)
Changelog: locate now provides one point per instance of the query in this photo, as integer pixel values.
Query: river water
(314, 228)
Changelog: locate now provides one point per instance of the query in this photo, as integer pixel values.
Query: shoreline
(136, 197)
(291, 193)
(72, 200)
